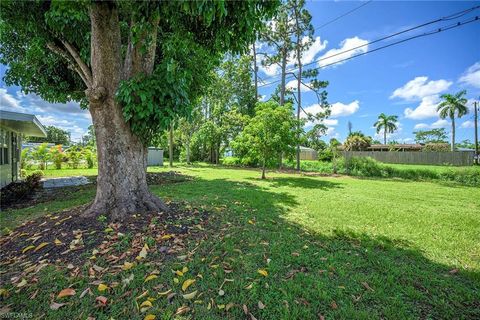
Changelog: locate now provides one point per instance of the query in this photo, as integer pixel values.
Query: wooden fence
(458, 158)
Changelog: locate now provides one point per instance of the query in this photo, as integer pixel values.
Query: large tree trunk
(121, 184)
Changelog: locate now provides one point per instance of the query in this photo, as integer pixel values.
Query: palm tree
(453, 105)
(387, 123)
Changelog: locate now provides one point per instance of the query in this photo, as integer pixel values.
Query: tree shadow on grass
(301, 182)
(337, 274)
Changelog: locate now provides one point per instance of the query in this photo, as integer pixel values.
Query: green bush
(368, 167)
(230, 161)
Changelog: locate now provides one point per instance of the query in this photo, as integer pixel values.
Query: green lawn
(342, 248)
(432, 167)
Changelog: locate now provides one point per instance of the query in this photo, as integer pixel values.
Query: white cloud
(426, 109)
(9, 102)
(341, 110)
(440, 123)
(421, 126)
(338, 109)
(331, 133)
(467, 124)
(471, 76)
(292, 84)
(347, 44)
(313, 50)
(271, 70)
(419, 88)
(330, 122)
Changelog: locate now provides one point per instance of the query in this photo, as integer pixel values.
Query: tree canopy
(47, 46)
(272, 131)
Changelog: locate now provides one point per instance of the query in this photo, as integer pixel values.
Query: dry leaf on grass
(187, 283)
(66, 293)
(263, 272)
(56, 306)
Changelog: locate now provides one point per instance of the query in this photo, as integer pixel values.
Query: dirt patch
(66, 238)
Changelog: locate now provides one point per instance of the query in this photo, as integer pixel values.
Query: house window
(3, 147)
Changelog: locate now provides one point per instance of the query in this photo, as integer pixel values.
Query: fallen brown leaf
(101, 300)
(66, 293)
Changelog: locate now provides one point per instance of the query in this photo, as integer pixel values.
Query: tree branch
(71, 63)
(83, 66)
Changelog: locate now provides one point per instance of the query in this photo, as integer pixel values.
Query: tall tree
(303, 30)
(278, 34)
(291, 34)
(135, 64)
(453, 106)
(386, 123)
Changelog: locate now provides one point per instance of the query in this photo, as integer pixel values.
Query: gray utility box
(155, 157)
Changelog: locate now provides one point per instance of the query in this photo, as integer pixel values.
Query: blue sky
(404, 80)
(420, 70)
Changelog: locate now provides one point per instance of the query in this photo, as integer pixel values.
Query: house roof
(24, 123)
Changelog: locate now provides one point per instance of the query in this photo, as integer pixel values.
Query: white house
(13, 126)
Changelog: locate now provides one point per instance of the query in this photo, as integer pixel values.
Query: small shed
(155, 157)
(308, 153)
(12, 126)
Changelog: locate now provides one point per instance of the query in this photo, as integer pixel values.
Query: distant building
(308, 153)
(12, 126)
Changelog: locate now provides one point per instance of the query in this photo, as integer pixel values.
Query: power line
(456, 25)
(342, 15)
(446, 18)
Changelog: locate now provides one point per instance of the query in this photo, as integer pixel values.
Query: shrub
(74, 157)
(90, 157)
(231, 161)
(439, 147)
(23, 173)
(357, 143)
(33, 179)
(41, 155)
(362, 166)
(57, 155)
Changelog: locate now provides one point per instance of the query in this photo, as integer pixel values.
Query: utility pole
(475, 121)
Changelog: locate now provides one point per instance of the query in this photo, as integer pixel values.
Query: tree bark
(188, 151)
(170, 145)
(385, 136)
(263, 170)
(299, 81)
(255, 70)
(284, 68)
(122, 157)
(452, 147)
